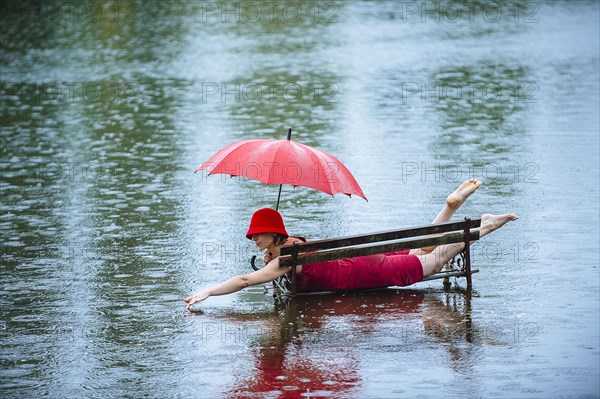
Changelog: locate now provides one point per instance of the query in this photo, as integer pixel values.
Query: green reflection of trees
(134, 205)
(305, 102)
(274, 99)
(134, 136)
(110, 204)
(481, 113)
(481, 99)
(284, 83)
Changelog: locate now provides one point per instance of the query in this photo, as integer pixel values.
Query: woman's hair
(279, 239)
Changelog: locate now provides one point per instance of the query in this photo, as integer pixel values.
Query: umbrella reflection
(313, 347)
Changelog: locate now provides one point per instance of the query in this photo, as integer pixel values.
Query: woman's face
(263, 240)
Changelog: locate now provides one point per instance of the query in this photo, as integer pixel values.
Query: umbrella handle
(278, 197)
(252, 262)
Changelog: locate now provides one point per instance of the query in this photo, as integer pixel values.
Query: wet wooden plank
(352, 252)
(381, 236)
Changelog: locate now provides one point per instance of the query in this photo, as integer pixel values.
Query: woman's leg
(453, 202)
(456, 199)
(433, 262)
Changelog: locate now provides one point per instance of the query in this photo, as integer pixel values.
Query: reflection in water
(105, 227)
(95, 156)
(269, 97)
(481, 100)
(285, 100)
(481, 110)
(288, 352)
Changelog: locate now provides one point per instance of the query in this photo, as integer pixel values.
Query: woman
(401, 268)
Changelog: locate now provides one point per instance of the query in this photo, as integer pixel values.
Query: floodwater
(108, 107)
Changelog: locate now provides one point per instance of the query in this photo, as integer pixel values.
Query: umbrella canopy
(273, 161)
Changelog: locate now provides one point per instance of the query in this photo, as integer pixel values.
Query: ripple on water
(132, 217)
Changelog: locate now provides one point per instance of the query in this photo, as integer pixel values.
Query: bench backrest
(380, 242)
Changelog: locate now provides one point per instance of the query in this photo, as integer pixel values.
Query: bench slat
(334, 254)
(380, 236)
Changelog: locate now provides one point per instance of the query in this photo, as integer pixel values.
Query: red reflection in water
(276, 376)
(291, 362)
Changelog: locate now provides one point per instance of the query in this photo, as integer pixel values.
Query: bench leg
(468, 253)
(293, 285)
(469, 274)
(447, 284)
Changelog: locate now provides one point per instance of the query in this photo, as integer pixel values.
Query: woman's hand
(268, 273)
(268, 256)
(199, 297)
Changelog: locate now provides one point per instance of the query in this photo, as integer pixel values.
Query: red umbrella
(281, 162)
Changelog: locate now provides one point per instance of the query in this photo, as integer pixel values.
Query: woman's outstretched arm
(268, 273)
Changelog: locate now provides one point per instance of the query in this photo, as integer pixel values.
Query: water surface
(108, 107)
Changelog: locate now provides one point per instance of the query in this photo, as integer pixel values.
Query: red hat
(266, 220)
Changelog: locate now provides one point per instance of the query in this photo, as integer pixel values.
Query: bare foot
(490, 222)
(460, 195)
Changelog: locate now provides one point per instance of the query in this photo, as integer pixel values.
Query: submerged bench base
(281, 293)
(446, 274)
(455, 268)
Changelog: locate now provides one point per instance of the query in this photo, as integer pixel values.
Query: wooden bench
(386, 241)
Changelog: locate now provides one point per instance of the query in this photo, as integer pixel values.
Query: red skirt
(373, 271)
